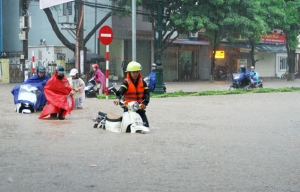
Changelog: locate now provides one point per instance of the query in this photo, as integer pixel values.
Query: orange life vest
(134, 93)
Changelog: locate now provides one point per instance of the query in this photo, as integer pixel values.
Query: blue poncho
(38, 82)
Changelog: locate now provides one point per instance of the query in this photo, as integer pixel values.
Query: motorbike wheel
(231, 88)
(246, 88)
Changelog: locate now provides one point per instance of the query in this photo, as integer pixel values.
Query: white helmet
(73, 72)
(153, 65)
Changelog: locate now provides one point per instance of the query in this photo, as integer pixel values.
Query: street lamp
(159, 69)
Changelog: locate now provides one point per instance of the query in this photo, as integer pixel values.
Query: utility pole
(159, 69)
(25, 30)
(79, 38)
(133, 35)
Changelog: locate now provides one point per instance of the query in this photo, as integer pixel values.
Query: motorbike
(243, 81)
(253, 75)
(129, 122)
(89, 88)
(27, 98)
(147, 80)
(222, 75)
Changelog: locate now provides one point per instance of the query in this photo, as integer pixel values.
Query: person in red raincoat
(59, 95)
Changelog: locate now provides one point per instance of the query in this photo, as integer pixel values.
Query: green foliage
(237, 91)
(210, 93)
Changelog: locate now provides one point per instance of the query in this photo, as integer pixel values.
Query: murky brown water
(211, 143)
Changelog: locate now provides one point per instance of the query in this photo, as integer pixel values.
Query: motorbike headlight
(135, 106)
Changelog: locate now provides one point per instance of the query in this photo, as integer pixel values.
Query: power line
(113, 8)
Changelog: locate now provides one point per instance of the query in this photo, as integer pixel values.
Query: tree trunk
(291, 63)
(58, 33)
(253, 61)
(212, 69)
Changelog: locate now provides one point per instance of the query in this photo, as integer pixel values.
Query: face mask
(60, 77)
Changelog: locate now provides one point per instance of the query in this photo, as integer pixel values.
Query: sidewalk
(197, 86)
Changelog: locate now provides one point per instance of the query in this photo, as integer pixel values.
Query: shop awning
(261, 47)
(190, 42)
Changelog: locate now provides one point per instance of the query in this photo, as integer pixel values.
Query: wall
(115, 57)
(40, 22)
(170, 64)
(204, 63)
(11, 15)
(1, 35)
(266, 64)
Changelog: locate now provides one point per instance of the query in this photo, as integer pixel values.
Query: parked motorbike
(27, 98)
(222, 75)
(147, 80)
(130, 122)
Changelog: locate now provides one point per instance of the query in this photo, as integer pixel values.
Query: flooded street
(246, 142)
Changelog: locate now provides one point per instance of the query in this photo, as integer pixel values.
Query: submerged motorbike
(242, 81)
(27, 98)
(147, 80)
(129, 122)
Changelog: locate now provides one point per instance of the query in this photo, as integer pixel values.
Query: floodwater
(246, 142)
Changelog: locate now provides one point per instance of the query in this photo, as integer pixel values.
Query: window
(283, 66)
(67, 8)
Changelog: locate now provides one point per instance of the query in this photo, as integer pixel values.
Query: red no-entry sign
(106, 35)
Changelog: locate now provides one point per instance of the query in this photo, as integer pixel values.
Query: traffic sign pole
(33, 64)
(105, 36)
(107, 70)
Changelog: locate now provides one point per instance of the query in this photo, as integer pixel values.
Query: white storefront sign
(49, 3)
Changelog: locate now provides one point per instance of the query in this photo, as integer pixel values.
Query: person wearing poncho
(59, 95)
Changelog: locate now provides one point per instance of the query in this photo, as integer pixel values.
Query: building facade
(187, 49)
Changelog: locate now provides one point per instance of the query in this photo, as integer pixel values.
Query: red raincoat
(58, 96)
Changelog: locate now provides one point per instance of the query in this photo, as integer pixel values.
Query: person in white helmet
(78, 86)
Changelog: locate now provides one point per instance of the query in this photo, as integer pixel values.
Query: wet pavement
(246, 142)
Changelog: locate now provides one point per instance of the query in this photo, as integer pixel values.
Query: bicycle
(284, 76)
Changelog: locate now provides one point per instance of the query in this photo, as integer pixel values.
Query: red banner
(274, 38)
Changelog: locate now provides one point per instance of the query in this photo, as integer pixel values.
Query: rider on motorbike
(38, 80)
(244, 74)
(134, 88)
(254, 76)
(99, 78)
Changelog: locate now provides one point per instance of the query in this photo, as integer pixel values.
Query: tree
(267, 15)
(290, 26)
(170, 31)
(118, 9)
(221, 19)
